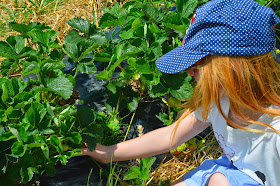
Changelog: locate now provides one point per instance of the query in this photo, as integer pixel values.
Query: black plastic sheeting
(79, 171)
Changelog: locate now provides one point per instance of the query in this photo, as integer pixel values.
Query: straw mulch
(54, 14)
(174, 167)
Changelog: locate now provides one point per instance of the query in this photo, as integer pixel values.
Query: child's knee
(218, 179)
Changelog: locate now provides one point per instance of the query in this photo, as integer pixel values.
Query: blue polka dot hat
(225, 27)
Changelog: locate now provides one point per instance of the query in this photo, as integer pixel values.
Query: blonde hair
(251, 82)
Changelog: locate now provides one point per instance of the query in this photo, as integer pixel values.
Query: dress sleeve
(198, 115)
(214, 112)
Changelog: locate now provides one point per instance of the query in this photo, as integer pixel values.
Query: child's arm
(150, 144)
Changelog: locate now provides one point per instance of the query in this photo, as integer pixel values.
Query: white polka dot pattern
(225, 27)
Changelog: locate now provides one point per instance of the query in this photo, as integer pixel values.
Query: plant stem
(89, 176)
(121, 68)
(168, 105)
(161, 162)
(129, 125)
(76, 72)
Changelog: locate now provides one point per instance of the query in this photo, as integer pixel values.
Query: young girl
(227, 49)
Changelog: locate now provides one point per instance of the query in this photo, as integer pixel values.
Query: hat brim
(178, 60)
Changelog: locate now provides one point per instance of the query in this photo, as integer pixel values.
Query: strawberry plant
(36, 131)
(36, 55)
(32, 132)
(146, 31)
(140, 175)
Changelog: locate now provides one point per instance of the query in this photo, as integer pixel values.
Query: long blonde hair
(252, 82)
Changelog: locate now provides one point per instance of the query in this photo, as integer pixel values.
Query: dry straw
(55, 14)
(174, 167)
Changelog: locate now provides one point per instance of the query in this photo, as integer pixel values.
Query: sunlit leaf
(62, 86)
(80, 24)
(18, 149)
(134, 172)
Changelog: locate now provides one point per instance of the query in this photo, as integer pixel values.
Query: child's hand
(101, 153)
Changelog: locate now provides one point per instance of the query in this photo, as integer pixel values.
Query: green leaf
(132, 106)
(85, 47)
(17, 42)
(151, 11)
(180, 5)
(35, 114)
(133, 173)
(87, 66)
(114, 125)
(76, 152)
(75, 137)
(154, 28)
(19, 131)
(62, 86)
(179, 85)
(56, 143)
(7, 66)
(62, 159)
(98, 38)
(163, 117)
(3, 163)
(102, 57)
(145, 174)
(114, 65)
(80, 24)
(131, 50)
(45, 150)
(6, 136)
(138, 28)
(67, 112)
(147, 162)
(91, 140)
(108, 20)
(185, 91)
(152, 79)
(143, 66)
(86, 116)
(156, 48)
(180, 28)
(18, 149)
(52, 65)
(67, 124)
(31, 68)
(22, 99)
(158, 90)
(126, 34)
(112, 87)
(8, 91)
(105, 75)
(24, 29)
(7, 51)
(188, 7)
(43, 37)
(73, 37)
(26, 174)
(71, 50)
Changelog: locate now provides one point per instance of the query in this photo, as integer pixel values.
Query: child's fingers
(85, 145)
(85, 151)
